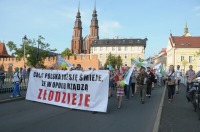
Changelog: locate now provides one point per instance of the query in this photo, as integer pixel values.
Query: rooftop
(119, 42)
(185, 41)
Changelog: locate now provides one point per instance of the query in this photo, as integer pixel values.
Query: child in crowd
(120, 92)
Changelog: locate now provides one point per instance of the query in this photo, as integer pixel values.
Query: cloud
(109, 28)
(198, 14)
(197, 8)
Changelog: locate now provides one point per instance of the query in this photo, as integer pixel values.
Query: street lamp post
(24, 40)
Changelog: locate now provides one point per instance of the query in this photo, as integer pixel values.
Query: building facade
(78, 44)
(126, 48)
(161, 57)
(183, 48)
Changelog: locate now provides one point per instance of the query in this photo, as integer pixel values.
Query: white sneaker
(147, 95)
(11, 96)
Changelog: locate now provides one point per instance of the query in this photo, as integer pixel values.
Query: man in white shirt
(17, 80)
(178, 80)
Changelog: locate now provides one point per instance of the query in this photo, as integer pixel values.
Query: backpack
(20, 79)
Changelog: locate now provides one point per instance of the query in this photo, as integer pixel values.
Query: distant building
(126, 48)
(161, 57)
(3, 51)
(183, 48)
(78, 44)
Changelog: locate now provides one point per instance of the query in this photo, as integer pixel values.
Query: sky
(54, 20)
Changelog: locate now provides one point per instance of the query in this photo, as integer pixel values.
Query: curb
(12, 100)
(158, 116)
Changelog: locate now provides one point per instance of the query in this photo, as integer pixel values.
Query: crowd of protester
(141, 81)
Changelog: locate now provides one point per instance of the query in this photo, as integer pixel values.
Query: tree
(118, 61)
(113, 61)
(36, 51)
(66, 52)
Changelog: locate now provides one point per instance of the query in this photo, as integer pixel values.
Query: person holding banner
(142, 83)
(120, 91)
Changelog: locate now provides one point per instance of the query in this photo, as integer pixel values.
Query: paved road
(179, 116)
(23, 116)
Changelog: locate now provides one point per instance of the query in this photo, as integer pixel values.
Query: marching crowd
(143, 81)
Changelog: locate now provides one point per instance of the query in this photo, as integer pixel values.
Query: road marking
(158, 116)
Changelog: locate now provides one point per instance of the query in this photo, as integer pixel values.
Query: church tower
(94, 29)
(186, 33)
(77, 39)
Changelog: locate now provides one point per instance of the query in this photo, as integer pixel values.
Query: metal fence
(7, 83)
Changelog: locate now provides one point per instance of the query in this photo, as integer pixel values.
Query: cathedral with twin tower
(78, 44)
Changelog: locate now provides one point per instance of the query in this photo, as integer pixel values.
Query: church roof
(119, 42)
(3, 51)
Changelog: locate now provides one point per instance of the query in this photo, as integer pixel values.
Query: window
(125, 48)
(182, 58)
(125, 63)
(119, 48)
(106, 56)
(101, 48)
(113, 48)
(126, 56)
(101, 56)
(190, 59)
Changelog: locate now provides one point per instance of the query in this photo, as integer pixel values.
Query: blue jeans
(16, 89)
(127, 91)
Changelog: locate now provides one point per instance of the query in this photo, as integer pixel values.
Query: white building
(126, 48)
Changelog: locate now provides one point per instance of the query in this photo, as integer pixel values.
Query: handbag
(170, 81)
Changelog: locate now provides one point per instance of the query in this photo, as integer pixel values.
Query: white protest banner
(84, 90)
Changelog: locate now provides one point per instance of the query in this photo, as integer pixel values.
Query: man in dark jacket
(150, 79)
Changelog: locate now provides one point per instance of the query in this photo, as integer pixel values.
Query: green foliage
(118, 61)
(66, 52)
(113, 61)
(35, 51)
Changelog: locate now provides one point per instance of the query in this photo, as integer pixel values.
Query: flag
(110, 67)
(133, 60)
(62, 61)
(128, 75)
(163, 69)
(120, 69)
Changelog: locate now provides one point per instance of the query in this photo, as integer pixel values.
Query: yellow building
(183, 48)
(126, 48)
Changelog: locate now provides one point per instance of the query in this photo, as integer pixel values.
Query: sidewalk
(5, 97)
(179, 116)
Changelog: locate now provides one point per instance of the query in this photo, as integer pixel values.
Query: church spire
(78, 22)
(77, 39)
(186, 33)
(94, 21)
(186, 28)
